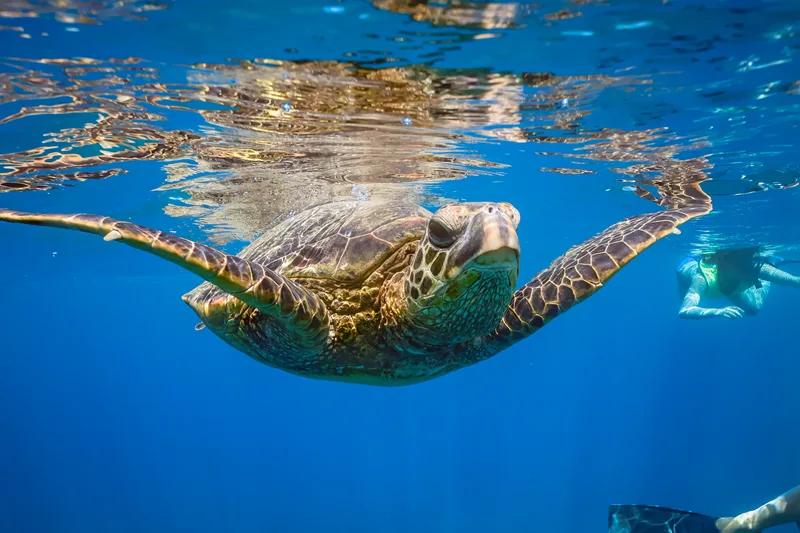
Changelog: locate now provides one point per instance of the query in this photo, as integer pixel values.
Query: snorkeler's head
(709, 258)
(730, 255)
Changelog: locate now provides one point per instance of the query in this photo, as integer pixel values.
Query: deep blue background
(118, 416)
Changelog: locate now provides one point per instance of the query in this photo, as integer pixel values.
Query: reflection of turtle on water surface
(383, 294)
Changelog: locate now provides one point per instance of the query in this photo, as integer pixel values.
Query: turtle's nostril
(490, 209)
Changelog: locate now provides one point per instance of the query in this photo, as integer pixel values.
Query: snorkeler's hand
(731, 312)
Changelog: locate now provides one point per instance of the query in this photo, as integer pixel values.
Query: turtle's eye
(441, 235)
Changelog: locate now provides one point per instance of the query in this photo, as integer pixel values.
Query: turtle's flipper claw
(112, 236)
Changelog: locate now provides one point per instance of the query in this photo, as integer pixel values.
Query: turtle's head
(463, 274)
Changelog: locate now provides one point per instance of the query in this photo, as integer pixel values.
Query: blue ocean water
(120, 417)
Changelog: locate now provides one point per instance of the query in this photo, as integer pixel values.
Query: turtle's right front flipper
(301, 315)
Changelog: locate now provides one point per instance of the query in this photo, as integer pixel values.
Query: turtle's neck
(442, 322)
(400, 331)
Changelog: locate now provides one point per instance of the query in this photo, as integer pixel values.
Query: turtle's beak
(499, 242)
(500, 245)
(490, 243)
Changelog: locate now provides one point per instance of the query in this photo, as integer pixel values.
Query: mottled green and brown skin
(383, 294)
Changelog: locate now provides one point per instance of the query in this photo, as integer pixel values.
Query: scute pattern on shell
(343, 241)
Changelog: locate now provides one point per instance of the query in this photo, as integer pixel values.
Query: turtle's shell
(343, 242)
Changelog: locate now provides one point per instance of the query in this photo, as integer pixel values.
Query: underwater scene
(300, 266)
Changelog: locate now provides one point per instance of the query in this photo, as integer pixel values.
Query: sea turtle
(382, 293)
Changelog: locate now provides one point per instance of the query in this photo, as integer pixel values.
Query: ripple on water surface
(648, 97)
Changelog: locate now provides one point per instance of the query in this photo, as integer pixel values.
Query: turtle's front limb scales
(295, 308)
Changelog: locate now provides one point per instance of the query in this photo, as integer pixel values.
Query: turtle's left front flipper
(253, 284)
(582, 271)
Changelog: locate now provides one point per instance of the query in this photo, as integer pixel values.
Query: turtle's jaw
(503, 258)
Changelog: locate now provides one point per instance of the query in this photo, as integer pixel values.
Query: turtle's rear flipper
(654, 519)
(300, 310)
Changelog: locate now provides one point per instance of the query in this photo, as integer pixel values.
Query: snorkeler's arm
(778, 276)
(691, 309)
(785, 509)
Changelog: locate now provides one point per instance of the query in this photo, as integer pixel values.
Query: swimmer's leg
(752, 299)
(785, 509)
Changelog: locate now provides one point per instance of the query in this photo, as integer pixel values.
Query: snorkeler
(743, 276)
(785, 509)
